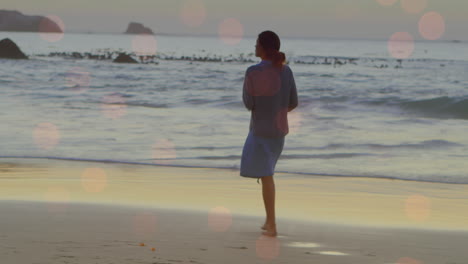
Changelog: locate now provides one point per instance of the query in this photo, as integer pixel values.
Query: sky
(368, 19)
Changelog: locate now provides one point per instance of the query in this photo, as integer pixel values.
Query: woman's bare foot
(270, 233)
(270, 230)
(265, 226)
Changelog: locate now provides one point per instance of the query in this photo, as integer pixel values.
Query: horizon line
(245, 36)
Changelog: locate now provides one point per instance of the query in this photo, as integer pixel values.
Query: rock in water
(9, 50)
(11, 20)
(138, 28)
(124, 58)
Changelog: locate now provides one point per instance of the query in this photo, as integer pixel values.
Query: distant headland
(11, 20)
(138, 28)
(15, 21)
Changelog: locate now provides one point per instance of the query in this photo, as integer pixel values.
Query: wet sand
(55, 211)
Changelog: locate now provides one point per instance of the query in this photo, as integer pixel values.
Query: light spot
(288, 122)
(267, 248)
(113, 106)
(219, 219)
(144, 45)
(431, 26)
(57, 199)
(78, 79)
(408, 261)
(264, 82)
(401, 45)
(144, 226)
(193, 13)
(387, 2)
(332, 253)
(295, 121)
(231, 31)
(94, 180)
(48, 29)
(46, 135)
(413, 6)
(304, 245)
(418, 207)
(163, 151)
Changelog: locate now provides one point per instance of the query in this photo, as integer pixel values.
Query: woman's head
(268, 46)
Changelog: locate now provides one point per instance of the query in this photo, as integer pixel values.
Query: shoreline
(156, 165)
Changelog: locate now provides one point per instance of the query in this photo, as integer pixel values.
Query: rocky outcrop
(138, 28)
(124, 58)
(16, 21)
(9, 50)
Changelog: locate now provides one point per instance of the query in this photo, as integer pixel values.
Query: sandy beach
(56, 211)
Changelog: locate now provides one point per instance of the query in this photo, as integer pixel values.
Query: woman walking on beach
(269, 93)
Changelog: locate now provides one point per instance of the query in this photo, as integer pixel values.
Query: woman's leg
(268, 191)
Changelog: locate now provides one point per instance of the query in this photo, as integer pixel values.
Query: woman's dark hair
(271, 43)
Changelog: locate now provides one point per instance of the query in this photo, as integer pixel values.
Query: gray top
(269, 93)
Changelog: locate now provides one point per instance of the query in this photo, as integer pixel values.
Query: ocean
(363, 112)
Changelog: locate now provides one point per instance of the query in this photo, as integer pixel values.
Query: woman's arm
(246, 92)
(293, 101)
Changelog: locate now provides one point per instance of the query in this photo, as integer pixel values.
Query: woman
(269, 93)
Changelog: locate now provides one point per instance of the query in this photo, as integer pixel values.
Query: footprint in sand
(238, 247)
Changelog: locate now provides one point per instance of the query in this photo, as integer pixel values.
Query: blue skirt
(260, 155)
